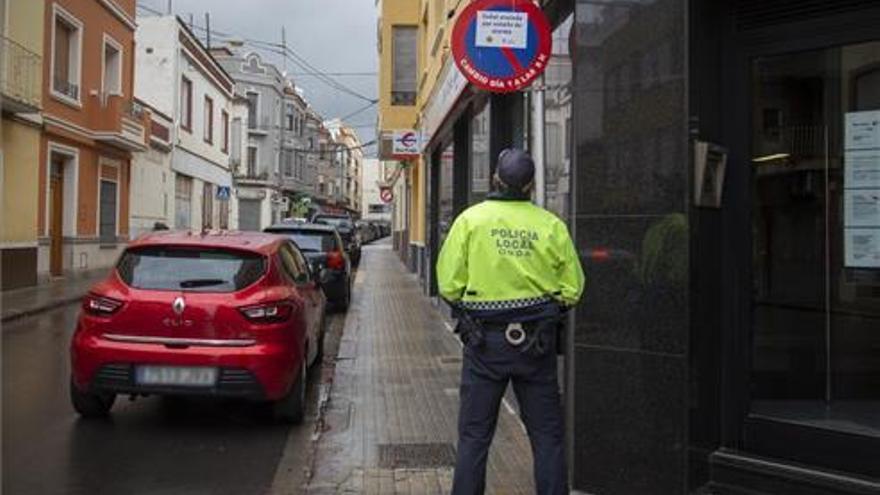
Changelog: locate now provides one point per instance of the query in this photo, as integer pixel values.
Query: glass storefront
(480, 160)
(446, 207)
(816, 238)
(557, 123)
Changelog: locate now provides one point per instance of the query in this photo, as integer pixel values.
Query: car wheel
(292, 407)
(89, 405)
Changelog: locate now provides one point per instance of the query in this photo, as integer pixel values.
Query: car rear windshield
(310, 240)
(190, 269)
(334, 221)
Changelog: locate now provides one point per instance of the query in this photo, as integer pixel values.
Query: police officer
(510, 269)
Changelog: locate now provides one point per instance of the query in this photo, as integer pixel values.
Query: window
(481, 166)
(287, 157)
(293, 265)
(112, 63)
(209, 120)
(207, 205)
(815, 357)
(224, 122)
(252, 161)
(404, 65)
(186, 89)
(193, 270)
(107, 215)
(66, 55)
(253, 100)
(290, 118)
(182, 201)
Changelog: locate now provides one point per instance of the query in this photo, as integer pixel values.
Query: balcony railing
(263, 124)
(19, 75)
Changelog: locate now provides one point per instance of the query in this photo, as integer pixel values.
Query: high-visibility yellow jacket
(504, 250)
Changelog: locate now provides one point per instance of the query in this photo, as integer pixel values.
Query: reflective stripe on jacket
(508, 250)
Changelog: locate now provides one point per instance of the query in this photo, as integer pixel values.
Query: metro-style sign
(502, 45)
(405, 144)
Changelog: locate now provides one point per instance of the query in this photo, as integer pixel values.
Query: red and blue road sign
(502, 66)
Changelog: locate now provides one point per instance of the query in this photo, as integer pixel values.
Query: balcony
(263, 125)
(20, 71)
(120, 123)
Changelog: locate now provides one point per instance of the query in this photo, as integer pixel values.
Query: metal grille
(752, 14)
(416, 455)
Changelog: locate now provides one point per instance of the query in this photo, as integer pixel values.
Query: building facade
(351, 156)
(90, 129)
(402, 30)
(21, 90)
(268, 155)
(374, 176)
(713, 161)
(152, 177)
(199, 96)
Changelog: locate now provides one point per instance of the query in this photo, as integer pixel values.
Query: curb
(41, 309)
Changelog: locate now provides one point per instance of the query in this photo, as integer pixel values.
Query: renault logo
(178, 306)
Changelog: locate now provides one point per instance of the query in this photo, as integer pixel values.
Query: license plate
(177, 375)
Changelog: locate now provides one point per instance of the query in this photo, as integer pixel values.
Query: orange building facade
(91, 127)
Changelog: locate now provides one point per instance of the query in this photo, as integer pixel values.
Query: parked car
(228, 314)
(367, 231)
(324, 250)
(346, 228)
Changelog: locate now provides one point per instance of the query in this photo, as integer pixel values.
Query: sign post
(502, 45)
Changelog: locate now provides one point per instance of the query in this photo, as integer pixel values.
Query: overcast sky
(333, 35)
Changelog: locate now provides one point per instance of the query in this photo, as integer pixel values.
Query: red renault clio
(226, 314)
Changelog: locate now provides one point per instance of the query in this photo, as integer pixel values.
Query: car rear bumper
(262, 371)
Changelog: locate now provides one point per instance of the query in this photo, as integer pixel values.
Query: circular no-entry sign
(502, 45)
(386, 195)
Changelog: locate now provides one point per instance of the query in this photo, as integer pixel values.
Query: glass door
(815, 358)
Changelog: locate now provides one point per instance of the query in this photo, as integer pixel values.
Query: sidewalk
(28, 301)
(390, 424)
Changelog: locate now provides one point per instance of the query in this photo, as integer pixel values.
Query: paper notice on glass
(862, 248)
(502, 29)
(863, 130)
(862, 207)
(862, 169)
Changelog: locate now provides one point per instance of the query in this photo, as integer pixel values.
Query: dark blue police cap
(515, 168)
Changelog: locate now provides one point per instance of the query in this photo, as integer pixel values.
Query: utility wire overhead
(279, 49)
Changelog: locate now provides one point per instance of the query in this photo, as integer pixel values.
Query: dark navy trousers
(487, 368)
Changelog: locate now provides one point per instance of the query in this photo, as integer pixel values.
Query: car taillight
(100, 306)
(268, 313)
(335, 260)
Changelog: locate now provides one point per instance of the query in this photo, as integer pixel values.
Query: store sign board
(446, 93)
(502, 45)
(862, 190)
(405, 144)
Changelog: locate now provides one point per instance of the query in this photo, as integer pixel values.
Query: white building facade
(152, 179)
(200, 102)
(374, 175)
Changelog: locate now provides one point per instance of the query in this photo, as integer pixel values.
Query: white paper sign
(862, 130)
(862, 190)
(862, 207)
(863, 248)
(499, 29)
(863, 169)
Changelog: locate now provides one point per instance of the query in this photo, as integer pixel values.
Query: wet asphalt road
(150, 446)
